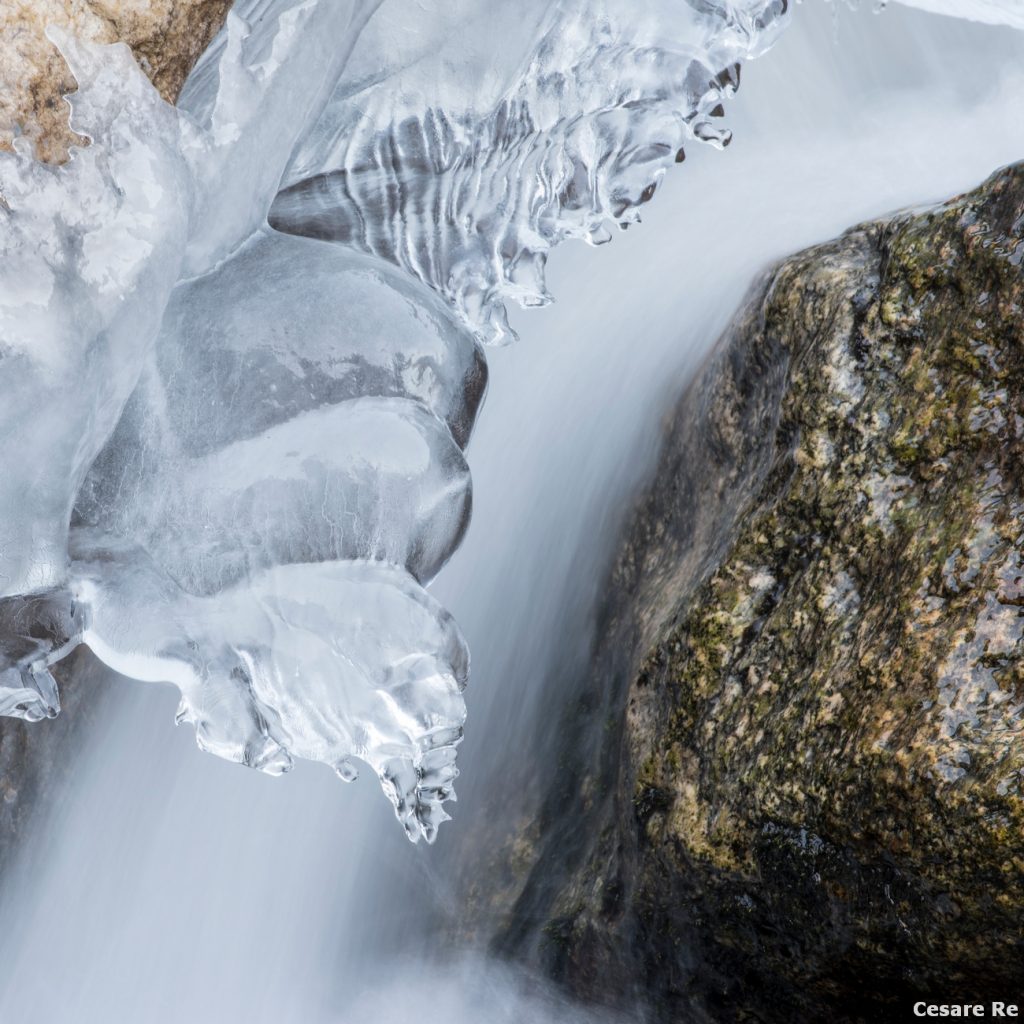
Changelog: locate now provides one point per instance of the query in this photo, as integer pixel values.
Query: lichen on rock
(166, 36)
(814, 635)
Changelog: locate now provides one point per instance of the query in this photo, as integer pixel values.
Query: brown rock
(166, 36)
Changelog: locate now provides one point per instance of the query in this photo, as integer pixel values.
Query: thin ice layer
(266, 89)
(990, 12)
(89, 253)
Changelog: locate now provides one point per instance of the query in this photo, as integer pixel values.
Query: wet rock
(813, 803)
(166, 36)
(37, 759)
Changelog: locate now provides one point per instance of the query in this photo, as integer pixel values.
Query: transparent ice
(470, 160)
(234, 446)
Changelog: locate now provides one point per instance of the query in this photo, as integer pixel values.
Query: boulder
(810, 802)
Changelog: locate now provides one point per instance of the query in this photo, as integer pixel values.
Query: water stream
(167, 886)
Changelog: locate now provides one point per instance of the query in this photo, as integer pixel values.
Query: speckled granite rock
(814, 807)
(166, 36)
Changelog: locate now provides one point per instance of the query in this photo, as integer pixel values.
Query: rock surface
(166, 36)
(38, 758)
(810, 804)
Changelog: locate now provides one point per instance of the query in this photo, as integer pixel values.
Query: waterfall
(167, 886)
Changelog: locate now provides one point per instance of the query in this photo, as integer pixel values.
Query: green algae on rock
(813, 637)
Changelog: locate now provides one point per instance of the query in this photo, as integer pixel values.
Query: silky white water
(168, 886)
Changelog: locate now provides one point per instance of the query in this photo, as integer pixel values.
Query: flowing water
(167, 886)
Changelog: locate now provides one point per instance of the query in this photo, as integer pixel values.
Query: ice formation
(318, 661)
(566, 127)
(91, 251)
(235, 453)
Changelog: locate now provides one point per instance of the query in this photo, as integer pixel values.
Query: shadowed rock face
(814, 805)
(37, 759)
(166, 36)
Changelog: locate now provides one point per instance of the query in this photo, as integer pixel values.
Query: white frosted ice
(89, 253)
(327, 662)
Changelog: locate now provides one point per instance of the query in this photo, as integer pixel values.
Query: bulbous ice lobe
(325, 662)
(300, 407)
(367, 478)
(291, 324)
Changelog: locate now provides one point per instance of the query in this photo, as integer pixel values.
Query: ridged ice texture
(463, 144)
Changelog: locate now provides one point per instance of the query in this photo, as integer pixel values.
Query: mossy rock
(813, 638)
